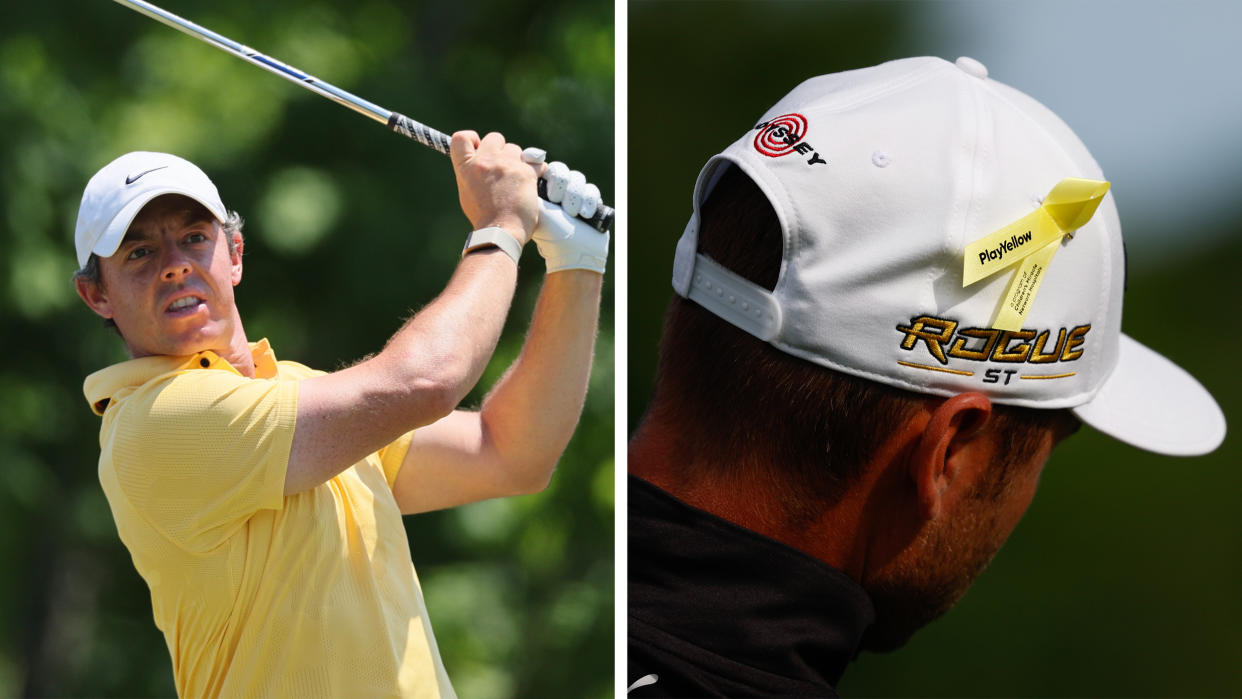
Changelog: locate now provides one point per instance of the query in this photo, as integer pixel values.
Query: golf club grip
(438, 140)
(419, 131)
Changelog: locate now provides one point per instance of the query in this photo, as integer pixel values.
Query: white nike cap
(120, 189)
(880, 177)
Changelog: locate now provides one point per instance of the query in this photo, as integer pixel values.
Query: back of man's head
(890, 236)
(896, 293)
(743, 408)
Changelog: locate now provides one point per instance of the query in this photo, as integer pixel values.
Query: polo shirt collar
(102, 385)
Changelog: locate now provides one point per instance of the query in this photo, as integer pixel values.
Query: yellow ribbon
(1031, 240)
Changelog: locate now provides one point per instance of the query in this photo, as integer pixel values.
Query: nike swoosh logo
(643, 682)
(134, 178)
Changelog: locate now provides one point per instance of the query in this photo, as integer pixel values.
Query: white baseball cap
(880, 177)
(120, 189)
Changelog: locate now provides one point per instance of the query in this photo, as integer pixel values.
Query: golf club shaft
(432, 138)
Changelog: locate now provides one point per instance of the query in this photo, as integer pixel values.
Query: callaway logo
(784, 135)
(134, 178)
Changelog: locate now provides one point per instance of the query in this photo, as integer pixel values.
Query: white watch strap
(493, 235)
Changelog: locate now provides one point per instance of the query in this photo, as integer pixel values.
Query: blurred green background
(348, 229)
(1125, 577)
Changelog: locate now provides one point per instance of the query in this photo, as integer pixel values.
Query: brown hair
(740, 403)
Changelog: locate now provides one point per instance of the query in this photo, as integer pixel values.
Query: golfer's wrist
(493, 238)
(511, 224)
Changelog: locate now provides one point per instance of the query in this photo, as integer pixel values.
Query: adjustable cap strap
(683, 259)
(730, 297)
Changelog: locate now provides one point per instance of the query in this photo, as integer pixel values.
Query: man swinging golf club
(261, 500)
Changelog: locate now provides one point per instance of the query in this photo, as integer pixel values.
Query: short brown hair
(741, 403)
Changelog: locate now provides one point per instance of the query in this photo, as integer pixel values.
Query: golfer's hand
(494, 185)
(565, 241)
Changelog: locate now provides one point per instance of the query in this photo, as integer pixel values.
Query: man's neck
(739, 493)
(236, 352)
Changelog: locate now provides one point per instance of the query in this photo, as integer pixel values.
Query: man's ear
(95, 296)
(235, 257)
(941, 461)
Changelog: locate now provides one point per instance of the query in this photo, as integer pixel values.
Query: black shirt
(718, 610)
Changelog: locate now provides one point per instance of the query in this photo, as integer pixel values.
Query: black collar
(728, 606)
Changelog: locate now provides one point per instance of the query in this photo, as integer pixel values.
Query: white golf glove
(564, 241)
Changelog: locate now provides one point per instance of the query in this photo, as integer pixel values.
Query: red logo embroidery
(780, 135)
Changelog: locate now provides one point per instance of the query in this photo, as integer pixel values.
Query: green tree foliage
(349, 229)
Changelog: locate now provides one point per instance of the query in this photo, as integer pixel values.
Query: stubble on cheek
(923, 587)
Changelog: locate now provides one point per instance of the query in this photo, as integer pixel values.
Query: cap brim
(115, 232)
(1153, 404)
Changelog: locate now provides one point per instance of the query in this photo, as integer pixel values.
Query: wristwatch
(495, 236)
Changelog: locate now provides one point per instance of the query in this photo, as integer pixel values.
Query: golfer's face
(170, 286)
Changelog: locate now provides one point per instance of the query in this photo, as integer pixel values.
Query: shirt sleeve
(198, 454)
(393, 455)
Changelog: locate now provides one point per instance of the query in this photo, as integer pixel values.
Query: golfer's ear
(94, 296)
(235, 257)
(947, 459)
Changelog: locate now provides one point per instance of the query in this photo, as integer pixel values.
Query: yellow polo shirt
(311, 595)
